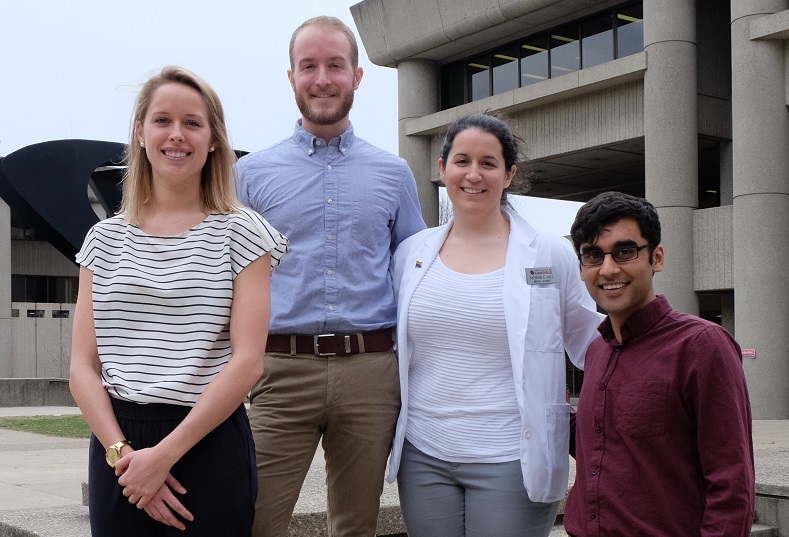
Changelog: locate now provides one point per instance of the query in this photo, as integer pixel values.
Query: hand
(142, 473)
(164, 502)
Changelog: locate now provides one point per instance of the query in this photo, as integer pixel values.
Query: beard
(326, 116)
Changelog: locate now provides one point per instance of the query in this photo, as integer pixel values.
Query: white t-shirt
(161, 305)
(462, 405)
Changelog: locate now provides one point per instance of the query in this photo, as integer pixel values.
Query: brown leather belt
(331, 344)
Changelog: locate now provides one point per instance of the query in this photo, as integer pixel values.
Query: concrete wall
(39, 258)
(712, 249)
(41, 345)
(5, 290)
(35, 392)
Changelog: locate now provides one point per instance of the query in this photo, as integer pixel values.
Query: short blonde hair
(327, 22)
(218, 180)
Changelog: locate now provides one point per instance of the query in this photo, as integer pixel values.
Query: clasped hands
(147, 483)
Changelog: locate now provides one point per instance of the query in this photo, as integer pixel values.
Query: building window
(565, 50)
(478, 70)
(534, 60)
(48, 289)
(452, 85)
(629, 30)
(597, 40)
(505, 69)
(583, 43)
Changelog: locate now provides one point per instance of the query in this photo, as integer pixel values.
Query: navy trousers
(219, 474)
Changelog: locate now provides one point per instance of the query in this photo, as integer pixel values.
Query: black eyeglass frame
(613, 253)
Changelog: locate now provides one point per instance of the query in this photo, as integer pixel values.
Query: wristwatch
(114, 452)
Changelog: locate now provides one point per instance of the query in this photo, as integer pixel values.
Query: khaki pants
(352, 403)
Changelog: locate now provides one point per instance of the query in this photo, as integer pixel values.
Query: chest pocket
(640, 408)
(544, 331)
(370, 221)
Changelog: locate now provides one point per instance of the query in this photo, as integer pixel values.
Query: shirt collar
(306, 140)
(637, 324)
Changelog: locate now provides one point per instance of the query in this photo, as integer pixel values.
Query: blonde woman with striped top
(171, 324)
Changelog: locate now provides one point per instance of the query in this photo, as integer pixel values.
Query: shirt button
(527, 434)
(331, 308)
(602, 387)
(599, 430)
(328, 167)
(330, 236)
(310, 152)
(594, 471)
(618, 349)
(330, 272)
(317, 142)
(593, 516)
(329, 200)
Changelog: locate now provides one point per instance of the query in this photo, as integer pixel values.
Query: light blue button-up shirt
(345, 206)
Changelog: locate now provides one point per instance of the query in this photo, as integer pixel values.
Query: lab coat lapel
(517, 293)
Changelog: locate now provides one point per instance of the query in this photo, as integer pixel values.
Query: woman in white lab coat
(487, 307)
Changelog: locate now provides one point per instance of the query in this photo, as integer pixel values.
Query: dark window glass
(49, 289)
(574, 376)
(534, 60)
(597, 45)
(478, 70)
(452, 86)
(583, 43)
(17, 288)
(505, 69)
(630, 31)
(565, 52)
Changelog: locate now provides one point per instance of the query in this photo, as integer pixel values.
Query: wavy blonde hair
(218, 178)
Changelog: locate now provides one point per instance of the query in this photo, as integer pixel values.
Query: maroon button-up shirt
(663, 433)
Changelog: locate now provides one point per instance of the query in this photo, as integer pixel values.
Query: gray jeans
(446, 499)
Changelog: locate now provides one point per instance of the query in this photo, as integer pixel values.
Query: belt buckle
(316, 345)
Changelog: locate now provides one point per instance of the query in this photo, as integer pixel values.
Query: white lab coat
(542, 322)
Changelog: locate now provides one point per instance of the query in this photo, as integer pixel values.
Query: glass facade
(590, 41)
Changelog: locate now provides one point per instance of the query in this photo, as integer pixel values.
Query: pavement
(41, 481)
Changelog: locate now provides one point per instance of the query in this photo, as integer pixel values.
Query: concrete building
(683, 102)
(50, 195)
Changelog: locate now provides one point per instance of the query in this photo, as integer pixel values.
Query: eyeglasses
(623, 254)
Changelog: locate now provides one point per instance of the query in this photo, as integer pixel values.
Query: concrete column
(760, 131)
(417, 95)
(671, 140)
(6, 346)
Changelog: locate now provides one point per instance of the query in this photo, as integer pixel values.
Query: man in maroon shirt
(663, 432)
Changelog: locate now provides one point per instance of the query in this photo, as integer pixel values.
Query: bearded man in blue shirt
(330, 370)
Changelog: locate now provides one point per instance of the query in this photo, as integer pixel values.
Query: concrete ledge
(71, 521)
(35, 392)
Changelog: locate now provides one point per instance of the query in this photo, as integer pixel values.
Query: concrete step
(760, 530)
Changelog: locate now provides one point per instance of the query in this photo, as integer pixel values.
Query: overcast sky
(72, 70)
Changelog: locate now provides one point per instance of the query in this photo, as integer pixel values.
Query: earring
(211, 149)
(142, 144)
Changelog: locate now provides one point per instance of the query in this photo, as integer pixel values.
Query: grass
(69, 426)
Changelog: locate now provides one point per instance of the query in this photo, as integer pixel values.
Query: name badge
(540, 275)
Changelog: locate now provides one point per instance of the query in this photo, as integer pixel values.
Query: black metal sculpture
(47, 185)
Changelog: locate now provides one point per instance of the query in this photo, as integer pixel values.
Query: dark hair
(610, 207)
(492, 124)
